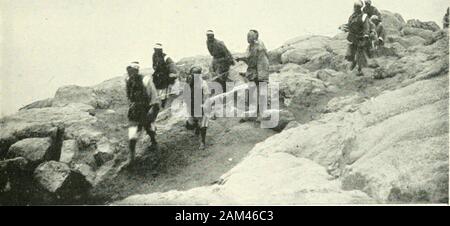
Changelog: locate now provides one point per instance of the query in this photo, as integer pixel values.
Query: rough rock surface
(57, 178)
(378, 138)
(364, 140)
(33, 149)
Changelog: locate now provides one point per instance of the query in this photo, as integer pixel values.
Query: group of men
(366, 33)
(147, 95)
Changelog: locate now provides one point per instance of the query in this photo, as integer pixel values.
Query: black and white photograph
(224, 103)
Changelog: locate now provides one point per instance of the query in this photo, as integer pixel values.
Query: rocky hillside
(378, 138)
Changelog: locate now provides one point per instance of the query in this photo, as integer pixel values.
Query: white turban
(358, 3)
(134, 65)
(158, 46)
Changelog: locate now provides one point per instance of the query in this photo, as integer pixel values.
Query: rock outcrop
(342, 139)
(380, 138)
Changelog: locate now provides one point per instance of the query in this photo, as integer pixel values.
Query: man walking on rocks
(257, 61)
(358, 28)
(200, 90)
(165, 73)
(379, 30)
(144, 105)
(371, 10)
(222, 59)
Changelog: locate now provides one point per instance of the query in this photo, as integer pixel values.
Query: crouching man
(144, 105)
(198, 106)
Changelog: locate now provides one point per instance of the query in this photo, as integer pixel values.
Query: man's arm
(382, 33)
(244, 59)
(228, 54)
(151, 91)
(366, 25)
(127, 88)
(154, 99)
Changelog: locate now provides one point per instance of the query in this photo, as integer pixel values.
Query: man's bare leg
(133, 133)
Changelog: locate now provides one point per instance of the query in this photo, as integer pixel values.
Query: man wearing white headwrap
(358, 35)
(222, 59)
(165, 73)
(143, 109)
(199, 89)
(371, 10)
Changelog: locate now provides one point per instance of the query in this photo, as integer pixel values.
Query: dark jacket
(219, 52)
(140, 89)
(372, 10)
(358, 26)
(163, 64)
(163, 67)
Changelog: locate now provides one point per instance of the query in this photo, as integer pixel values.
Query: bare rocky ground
(378, 138)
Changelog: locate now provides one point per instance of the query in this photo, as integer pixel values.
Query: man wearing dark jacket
(222, 59)
(144, 106)
(371, 10)
(199, 89)
(358, 28)
(165, 73)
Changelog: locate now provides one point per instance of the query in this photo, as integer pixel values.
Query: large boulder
(302, 93)
(43, 122)
(418, 61)
(111, 93)
(430, 25)
(413, 31)
(406, 41)
(39, 104)
(108, 94)
(68, 151)
(393, 22)
(75, 94)
(301, 50)
(58, 179)
(36, 150)
(13, 130)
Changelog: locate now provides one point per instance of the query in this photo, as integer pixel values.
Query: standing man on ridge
(358, 28)
(144, 105)
(199, 121)
(257, 61)
(165, 73)
(379, 30)
(371, 10)
(222, 59)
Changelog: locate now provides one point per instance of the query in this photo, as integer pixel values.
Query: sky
(46, 44)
